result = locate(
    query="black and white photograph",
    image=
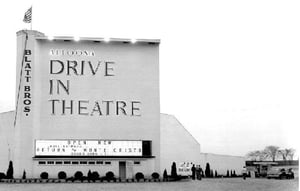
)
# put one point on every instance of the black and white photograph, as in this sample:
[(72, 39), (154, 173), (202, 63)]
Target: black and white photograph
[(149, 95)]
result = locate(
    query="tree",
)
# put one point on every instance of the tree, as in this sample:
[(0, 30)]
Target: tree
[(256, 155), (173, 170), (24, 175), (89, 175), (211, 173), (271, 152), (165, 175), (291, 153), (10, 171), (282, 152), (286, 153), (207, 170), (216, 173), (227, 174)]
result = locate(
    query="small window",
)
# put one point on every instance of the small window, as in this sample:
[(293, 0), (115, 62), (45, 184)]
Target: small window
[(83, 162), (67, 162), (42, 162), (137, 162), (75, 162), (58, 162), (99, 162), (107, 162), (91, 162), (50, 162)]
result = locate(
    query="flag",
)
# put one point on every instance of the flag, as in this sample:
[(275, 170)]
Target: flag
[(28, 16)]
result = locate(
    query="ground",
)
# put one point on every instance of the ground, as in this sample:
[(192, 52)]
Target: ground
[(230, 184)]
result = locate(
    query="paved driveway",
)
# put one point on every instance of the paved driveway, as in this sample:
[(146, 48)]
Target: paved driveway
[(229, 184)]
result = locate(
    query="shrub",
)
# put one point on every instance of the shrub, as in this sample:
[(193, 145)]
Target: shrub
[(227, 174), (24, 175), (110, 175), (44, 175), (2, 175), (216, 174), (89, 175), (155, 175), (95, 175), (62, 175), (78, 175), (173, 170), (10, 171), (165, 175), (207, 170), (70, 179), (139, 176)]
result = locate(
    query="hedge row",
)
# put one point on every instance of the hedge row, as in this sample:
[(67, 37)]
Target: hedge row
[(94, 176)]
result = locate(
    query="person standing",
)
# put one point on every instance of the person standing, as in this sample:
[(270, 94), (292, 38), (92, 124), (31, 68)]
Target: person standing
[(193, 172), (244, 173), (198, 172), (201, 173)]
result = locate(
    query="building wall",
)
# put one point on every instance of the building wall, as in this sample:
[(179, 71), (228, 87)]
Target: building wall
[(6, 139), (134, 77), (177, 144), (222, 163), (145, 166), (102, 169), (173, 135)]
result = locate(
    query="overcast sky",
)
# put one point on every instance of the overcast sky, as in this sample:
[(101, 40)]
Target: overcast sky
[(229, 70)]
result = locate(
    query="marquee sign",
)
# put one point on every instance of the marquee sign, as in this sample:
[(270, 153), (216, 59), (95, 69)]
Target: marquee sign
[(87, 148)]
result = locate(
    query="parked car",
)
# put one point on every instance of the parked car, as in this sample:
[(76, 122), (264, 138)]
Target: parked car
[(280, 173)]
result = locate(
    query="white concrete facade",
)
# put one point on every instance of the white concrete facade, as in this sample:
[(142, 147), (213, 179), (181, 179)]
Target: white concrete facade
[(222, 163), (6, 139), (116, 71), (89, 90), (85, 90), (177, 144)]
